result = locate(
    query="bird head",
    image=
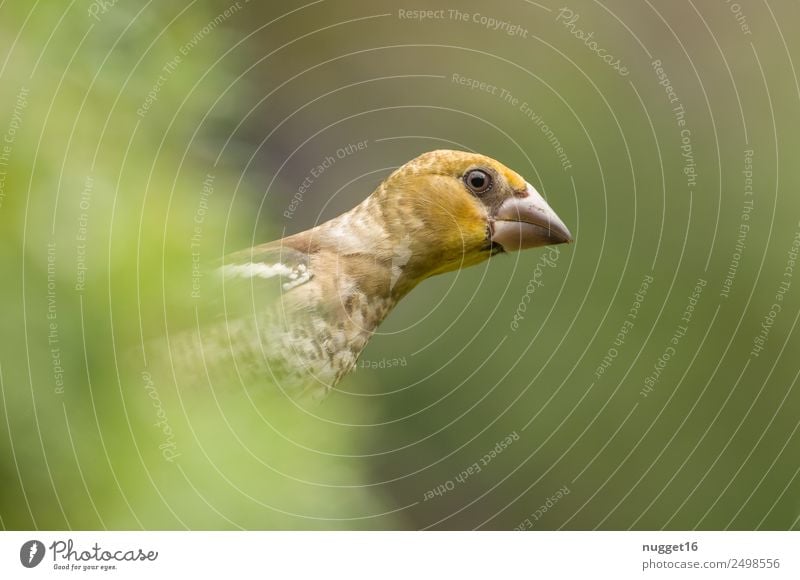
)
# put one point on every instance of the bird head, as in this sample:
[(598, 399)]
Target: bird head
[(455, 209)]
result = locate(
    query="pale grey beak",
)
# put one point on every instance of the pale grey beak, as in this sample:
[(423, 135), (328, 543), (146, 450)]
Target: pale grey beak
[(527, 222)]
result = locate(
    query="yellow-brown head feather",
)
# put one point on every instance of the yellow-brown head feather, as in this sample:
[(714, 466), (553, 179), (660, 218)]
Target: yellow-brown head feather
[(429, 217), (429, 197)]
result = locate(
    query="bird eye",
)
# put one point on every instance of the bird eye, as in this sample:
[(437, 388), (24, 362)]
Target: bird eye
[(478, 181)]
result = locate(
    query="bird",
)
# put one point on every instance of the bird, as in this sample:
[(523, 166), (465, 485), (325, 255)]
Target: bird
[(300, 310)]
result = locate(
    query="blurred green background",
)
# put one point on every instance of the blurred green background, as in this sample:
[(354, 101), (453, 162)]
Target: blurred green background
[(139, 138)]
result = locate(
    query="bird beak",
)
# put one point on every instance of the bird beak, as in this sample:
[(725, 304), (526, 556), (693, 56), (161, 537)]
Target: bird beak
[(526, 221)]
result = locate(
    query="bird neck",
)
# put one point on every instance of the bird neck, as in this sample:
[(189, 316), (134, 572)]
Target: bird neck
[(370, 249)]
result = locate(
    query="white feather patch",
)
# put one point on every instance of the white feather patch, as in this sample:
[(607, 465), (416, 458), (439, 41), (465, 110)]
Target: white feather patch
[(297, 275)]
